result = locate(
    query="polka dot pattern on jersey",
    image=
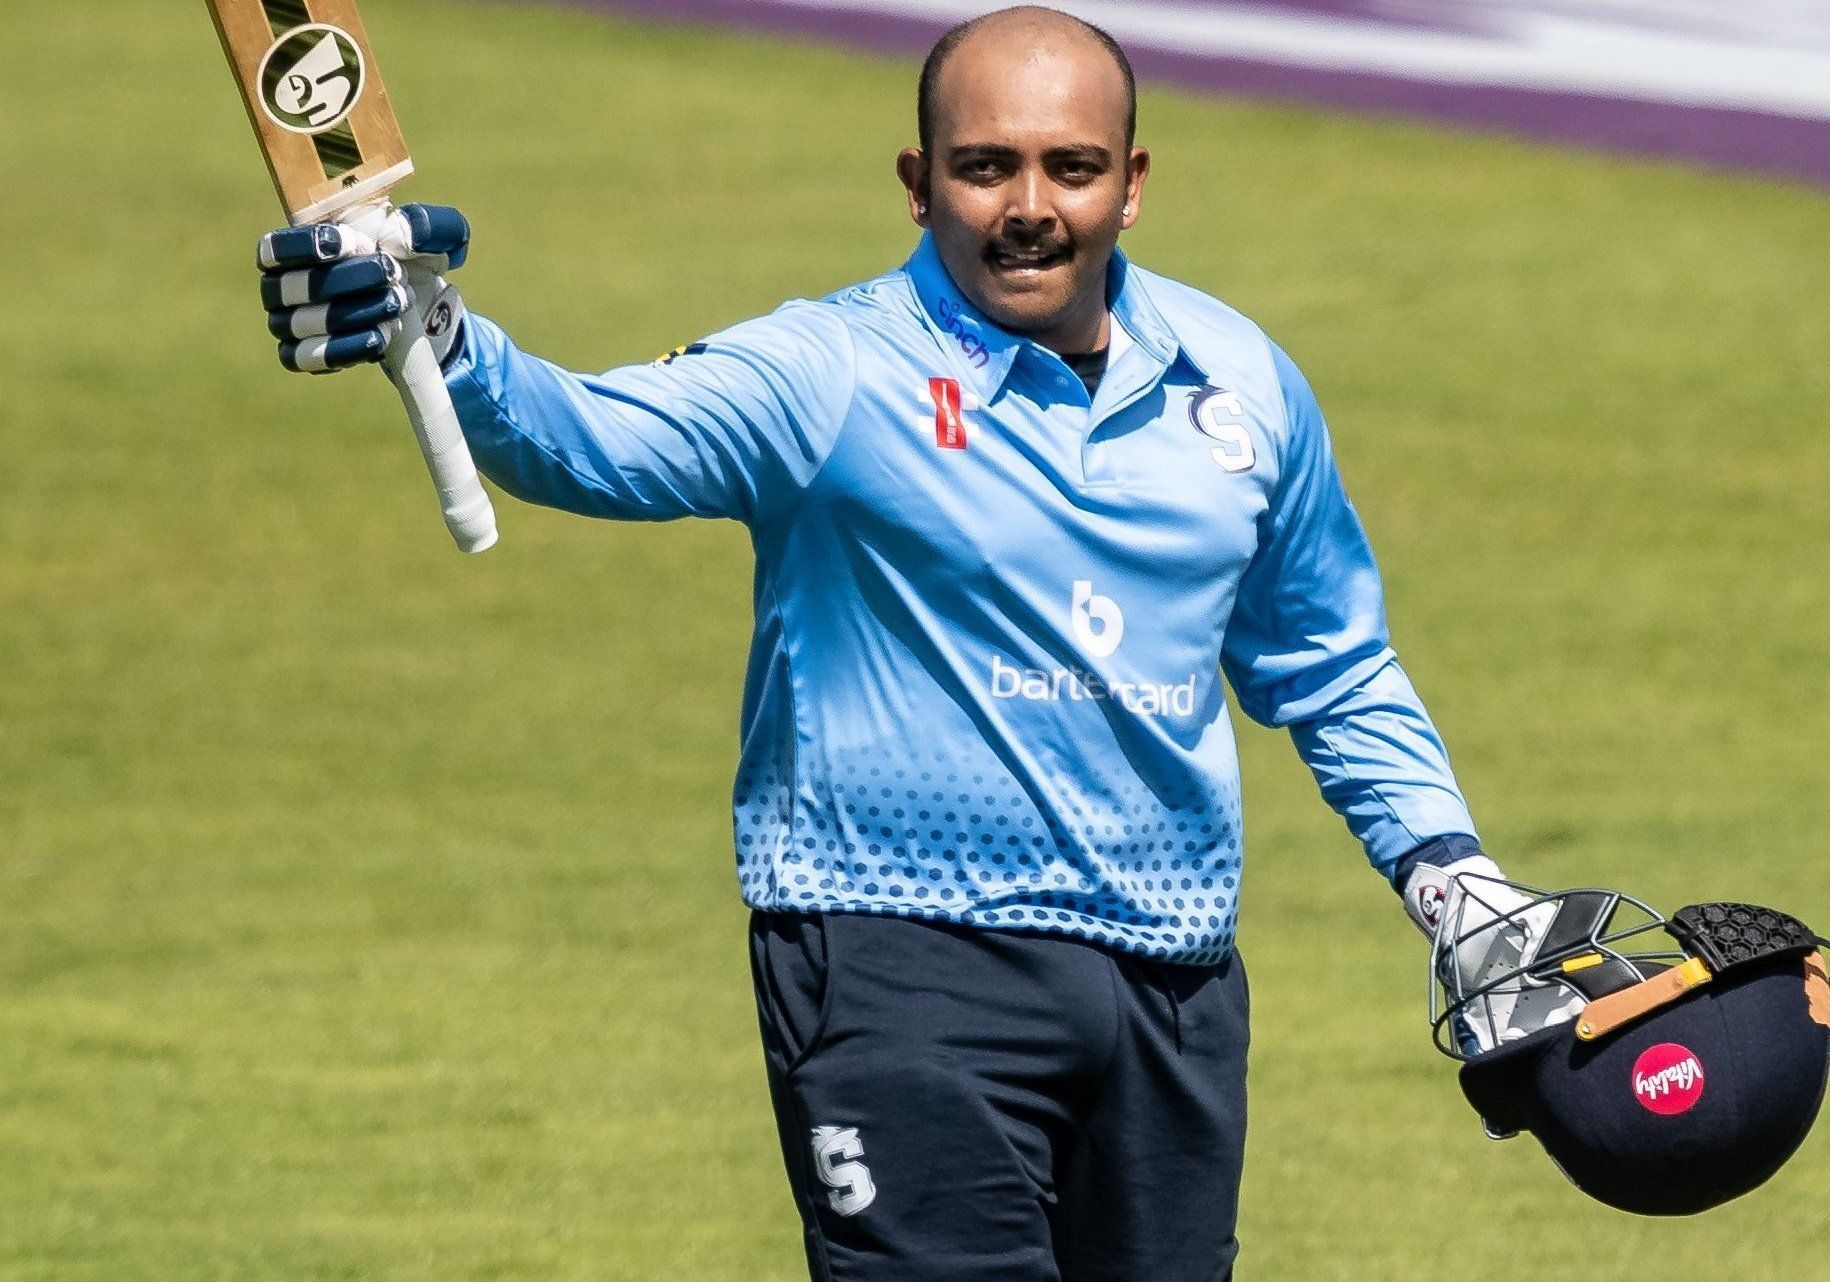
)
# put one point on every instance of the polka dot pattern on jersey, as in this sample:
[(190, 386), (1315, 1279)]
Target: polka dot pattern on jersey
[(1152, 871)]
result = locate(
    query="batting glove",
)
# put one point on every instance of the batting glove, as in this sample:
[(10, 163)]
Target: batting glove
[(339, 294), (1482, 927)]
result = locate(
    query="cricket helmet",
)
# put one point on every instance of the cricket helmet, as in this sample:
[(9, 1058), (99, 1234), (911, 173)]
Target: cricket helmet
[(1666, 1065)]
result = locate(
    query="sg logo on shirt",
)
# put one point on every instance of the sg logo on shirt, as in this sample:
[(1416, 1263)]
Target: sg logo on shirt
[(1218, 415)]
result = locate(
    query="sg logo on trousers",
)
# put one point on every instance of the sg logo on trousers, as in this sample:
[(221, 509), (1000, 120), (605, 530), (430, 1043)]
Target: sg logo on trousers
[(836, 1150)]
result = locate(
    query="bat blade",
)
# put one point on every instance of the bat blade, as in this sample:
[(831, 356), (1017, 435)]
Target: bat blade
[(333, 146), (316, 100)]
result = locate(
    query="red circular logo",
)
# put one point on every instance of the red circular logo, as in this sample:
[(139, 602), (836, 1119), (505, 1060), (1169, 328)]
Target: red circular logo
[(1668, 1079)]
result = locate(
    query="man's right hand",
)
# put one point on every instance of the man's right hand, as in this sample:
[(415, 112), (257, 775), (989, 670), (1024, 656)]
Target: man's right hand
[(336, 294)]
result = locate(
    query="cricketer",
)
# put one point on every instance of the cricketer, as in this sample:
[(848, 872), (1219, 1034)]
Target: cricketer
[(1017, 506)]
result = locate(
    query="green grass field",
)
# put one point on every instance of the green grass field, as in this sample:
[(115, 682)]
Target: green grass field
[(366, 911)]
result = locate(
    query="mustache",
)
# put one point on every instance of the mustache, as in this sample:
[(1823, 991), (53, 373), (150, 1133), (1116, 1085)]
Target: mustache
[(1047, 245)]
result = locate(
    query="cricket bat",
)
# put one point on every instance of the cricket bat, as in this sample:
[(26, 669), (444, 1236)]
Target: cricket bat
[(334, 148)]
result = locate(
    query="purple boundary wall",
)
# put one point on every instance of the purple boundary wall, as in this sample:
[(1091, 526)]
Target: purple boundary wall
[(1750, 141)]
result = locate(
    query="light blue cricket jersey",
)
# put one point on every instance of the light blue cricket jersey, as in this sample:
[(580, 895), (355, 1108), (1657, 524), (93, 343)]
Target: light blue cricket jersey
[(990, 618)]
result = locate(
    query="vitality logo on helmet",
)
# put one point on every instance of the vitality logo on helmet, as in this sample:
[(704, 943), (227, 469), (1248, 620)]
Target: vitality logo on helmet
[(1668, 1079), (1098, 627)]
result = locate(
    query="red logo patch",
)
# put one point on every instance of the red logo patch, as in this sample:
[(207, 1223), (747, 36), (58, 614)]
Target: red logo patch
[(1668, 1079), (949, 426)]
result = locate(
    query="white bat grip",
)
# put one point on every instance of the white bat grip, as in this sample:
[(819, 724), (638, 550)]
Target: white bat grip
[(414, 371), (421, 384)]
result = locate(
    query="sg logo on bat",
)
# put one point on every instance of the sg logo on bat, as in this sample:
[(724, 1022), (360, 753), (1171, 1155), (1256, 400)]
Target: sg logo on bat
[(311, 79)]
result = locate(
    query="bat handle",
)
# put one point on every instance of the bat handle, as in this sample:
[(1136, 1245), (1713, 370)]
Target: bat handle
[(415, 373)]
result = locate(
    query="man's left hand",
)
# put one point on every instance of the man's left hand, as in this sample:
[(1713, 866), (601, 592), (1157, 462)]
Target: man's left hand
[(1484, 928)]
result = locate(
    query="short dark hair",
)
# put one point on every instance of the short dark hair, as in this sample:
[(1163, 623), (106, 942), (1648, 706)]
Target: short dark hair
[(945, 46)]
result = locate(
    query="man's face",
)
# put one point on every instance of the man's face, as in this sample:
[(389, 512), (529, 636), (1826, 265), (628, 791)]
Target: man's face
[(1029, 181)]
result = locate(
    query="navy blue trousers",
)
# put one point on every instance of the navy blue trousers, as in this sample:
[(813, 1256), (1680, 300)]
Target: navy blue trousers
[(961, 1105)]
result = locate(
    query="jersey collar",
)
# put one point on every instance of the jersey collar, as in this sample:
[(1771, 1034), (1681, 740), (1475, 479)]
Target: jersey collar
[(987, 352)]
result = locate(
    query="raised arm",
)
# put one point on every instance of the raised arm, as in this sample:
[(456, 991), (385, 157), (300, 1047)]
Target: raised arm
[(733, 426)]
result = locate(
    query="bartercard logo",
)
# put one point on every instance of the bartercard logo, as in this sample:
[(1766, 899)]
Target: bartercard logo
[(1668, 1079), (1218, 415), (1098, 627), (311, 79), (1055, 685)]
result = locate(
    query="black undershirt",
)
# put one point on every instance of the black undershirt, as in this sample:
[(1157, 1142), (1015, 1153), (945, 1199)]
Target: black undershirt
[(1089, 366)]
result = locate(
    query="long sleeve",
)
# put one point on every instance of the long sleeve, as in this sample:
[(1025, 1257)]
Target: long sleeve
[(1307, 648), (733, 426)]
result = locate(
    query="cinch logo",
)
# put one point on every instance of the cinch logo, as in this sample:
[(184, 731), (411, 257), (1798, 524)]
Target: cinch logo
[(1668, 1079), (1098, 626), (949, 404), (836, 1150), (953, 320)]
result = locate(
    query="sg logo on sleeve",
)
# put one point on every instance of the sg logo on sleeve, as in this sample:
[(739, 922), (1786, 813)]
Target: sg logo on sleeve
[(1218, 415)]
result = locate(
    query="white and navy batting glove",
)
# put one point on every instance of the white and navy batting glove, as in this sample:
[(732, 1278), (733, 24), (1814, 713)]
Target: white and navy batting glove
[(339, 294), (1482, 927)]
